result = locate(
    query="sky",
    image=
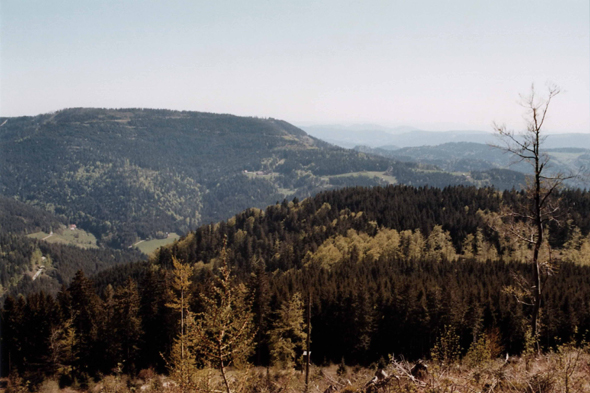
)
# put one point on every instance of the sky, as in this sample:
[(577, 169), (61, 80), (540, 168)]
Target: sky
[(431, 64)]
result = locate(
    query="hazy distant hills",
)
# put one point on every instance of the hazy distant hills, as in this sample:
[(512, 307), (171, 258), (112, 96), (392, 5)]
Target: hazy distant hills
[(132, 174), (351, 136), (468, 156), (399, 137)]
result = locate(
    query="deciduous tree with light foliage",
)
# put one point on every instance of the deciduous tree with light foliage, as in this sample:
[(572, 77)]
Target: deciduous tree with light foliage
[(224, 330), (288, 335)]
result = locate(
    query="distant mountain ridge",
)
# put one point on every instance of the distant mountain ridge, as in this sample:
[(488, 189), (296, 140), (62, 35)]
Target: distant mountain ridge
[(399, 137), (468, 156)]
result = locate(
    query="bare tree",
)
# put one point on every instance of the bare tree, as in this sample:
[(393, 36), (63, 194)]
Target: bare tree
[(528, 221)]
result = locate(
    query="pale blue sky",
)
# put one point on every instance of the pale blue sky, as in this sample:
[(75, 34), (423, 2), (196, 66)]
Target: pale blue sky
[(430, 64)]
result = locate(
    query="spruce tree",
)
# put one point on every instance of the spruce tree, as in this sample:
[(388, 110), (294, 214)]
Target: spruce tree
[(181, 362), (128, 324)]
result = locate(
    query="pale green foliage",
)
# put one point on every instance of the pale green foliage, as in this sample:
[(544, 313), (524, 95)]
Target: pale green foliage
[(447, 350), (36, 258), (479, 352), (467, 246), (484, 250), (288, 335), (180, 293), (412, 244), (224, 332), (63, 348), (386, 242), (479, 248), (181, 362), (577, 248), (439, 245)]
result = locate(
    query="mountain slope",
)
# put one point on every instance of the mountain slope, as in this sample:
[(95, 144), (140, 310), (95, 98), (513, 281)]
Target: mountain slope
[(139, 172), (132, 174)]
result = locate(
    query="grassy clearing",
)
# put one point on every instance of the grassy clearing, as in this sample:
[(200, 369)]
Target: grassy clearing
[(77, 237), (370, 174), (267, 176), (149, 246)]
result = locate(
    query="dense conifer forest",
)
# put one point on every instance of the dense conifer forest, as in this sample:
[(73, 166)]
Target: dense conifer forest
[(390, 270)]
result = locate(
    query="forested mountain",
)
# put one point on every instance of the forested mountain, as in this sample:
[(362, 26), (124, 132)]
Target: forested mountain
[(389, 269), (131, 174)]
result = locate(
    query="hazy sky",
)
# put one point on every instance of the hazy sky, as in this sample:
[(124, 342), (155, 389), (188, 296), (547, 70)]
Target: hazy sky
[(432, 64)]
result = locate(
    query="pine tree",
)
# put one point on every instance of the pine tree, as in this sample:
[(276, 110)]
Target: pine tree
[(259, 288), (181, 362), (108, 331), (85, 309), (12, 333), (63, 352), (224, 332), (128, 323)]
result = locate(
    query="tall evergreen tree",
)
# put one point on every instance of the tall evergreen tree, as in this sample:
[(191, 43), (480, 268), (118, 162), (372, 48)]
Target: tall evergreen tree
[(259, 289), (85, 310), (128, 324), (181, 363)]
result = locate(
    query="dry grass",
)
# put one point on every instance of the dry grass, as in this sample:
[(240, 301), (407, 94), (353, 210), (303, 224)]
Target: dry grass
[(565, 371)]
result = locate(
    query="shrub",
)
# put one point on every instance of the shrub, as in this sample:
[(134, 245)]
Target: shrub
[(478, 353), (447, 349)]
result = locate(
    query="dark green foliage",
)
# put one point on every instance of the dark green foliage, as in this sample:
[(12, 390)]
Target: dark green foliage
[(21, 218), (377, 305), (127, 174)]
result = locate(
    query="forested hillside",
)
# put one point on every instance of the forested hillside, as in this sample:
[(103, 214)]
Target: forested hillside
[(389, 270), (20, 218), (131, 174), (29, 264), (283, 234)]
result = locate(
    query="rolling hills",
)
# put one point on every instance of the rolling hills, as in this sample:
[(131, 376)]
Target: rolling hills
[(470, 157)]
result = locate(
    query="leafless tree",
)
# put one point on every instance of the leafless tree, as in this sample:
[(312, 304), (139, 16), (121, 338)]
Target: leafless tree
[(528, 221)]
